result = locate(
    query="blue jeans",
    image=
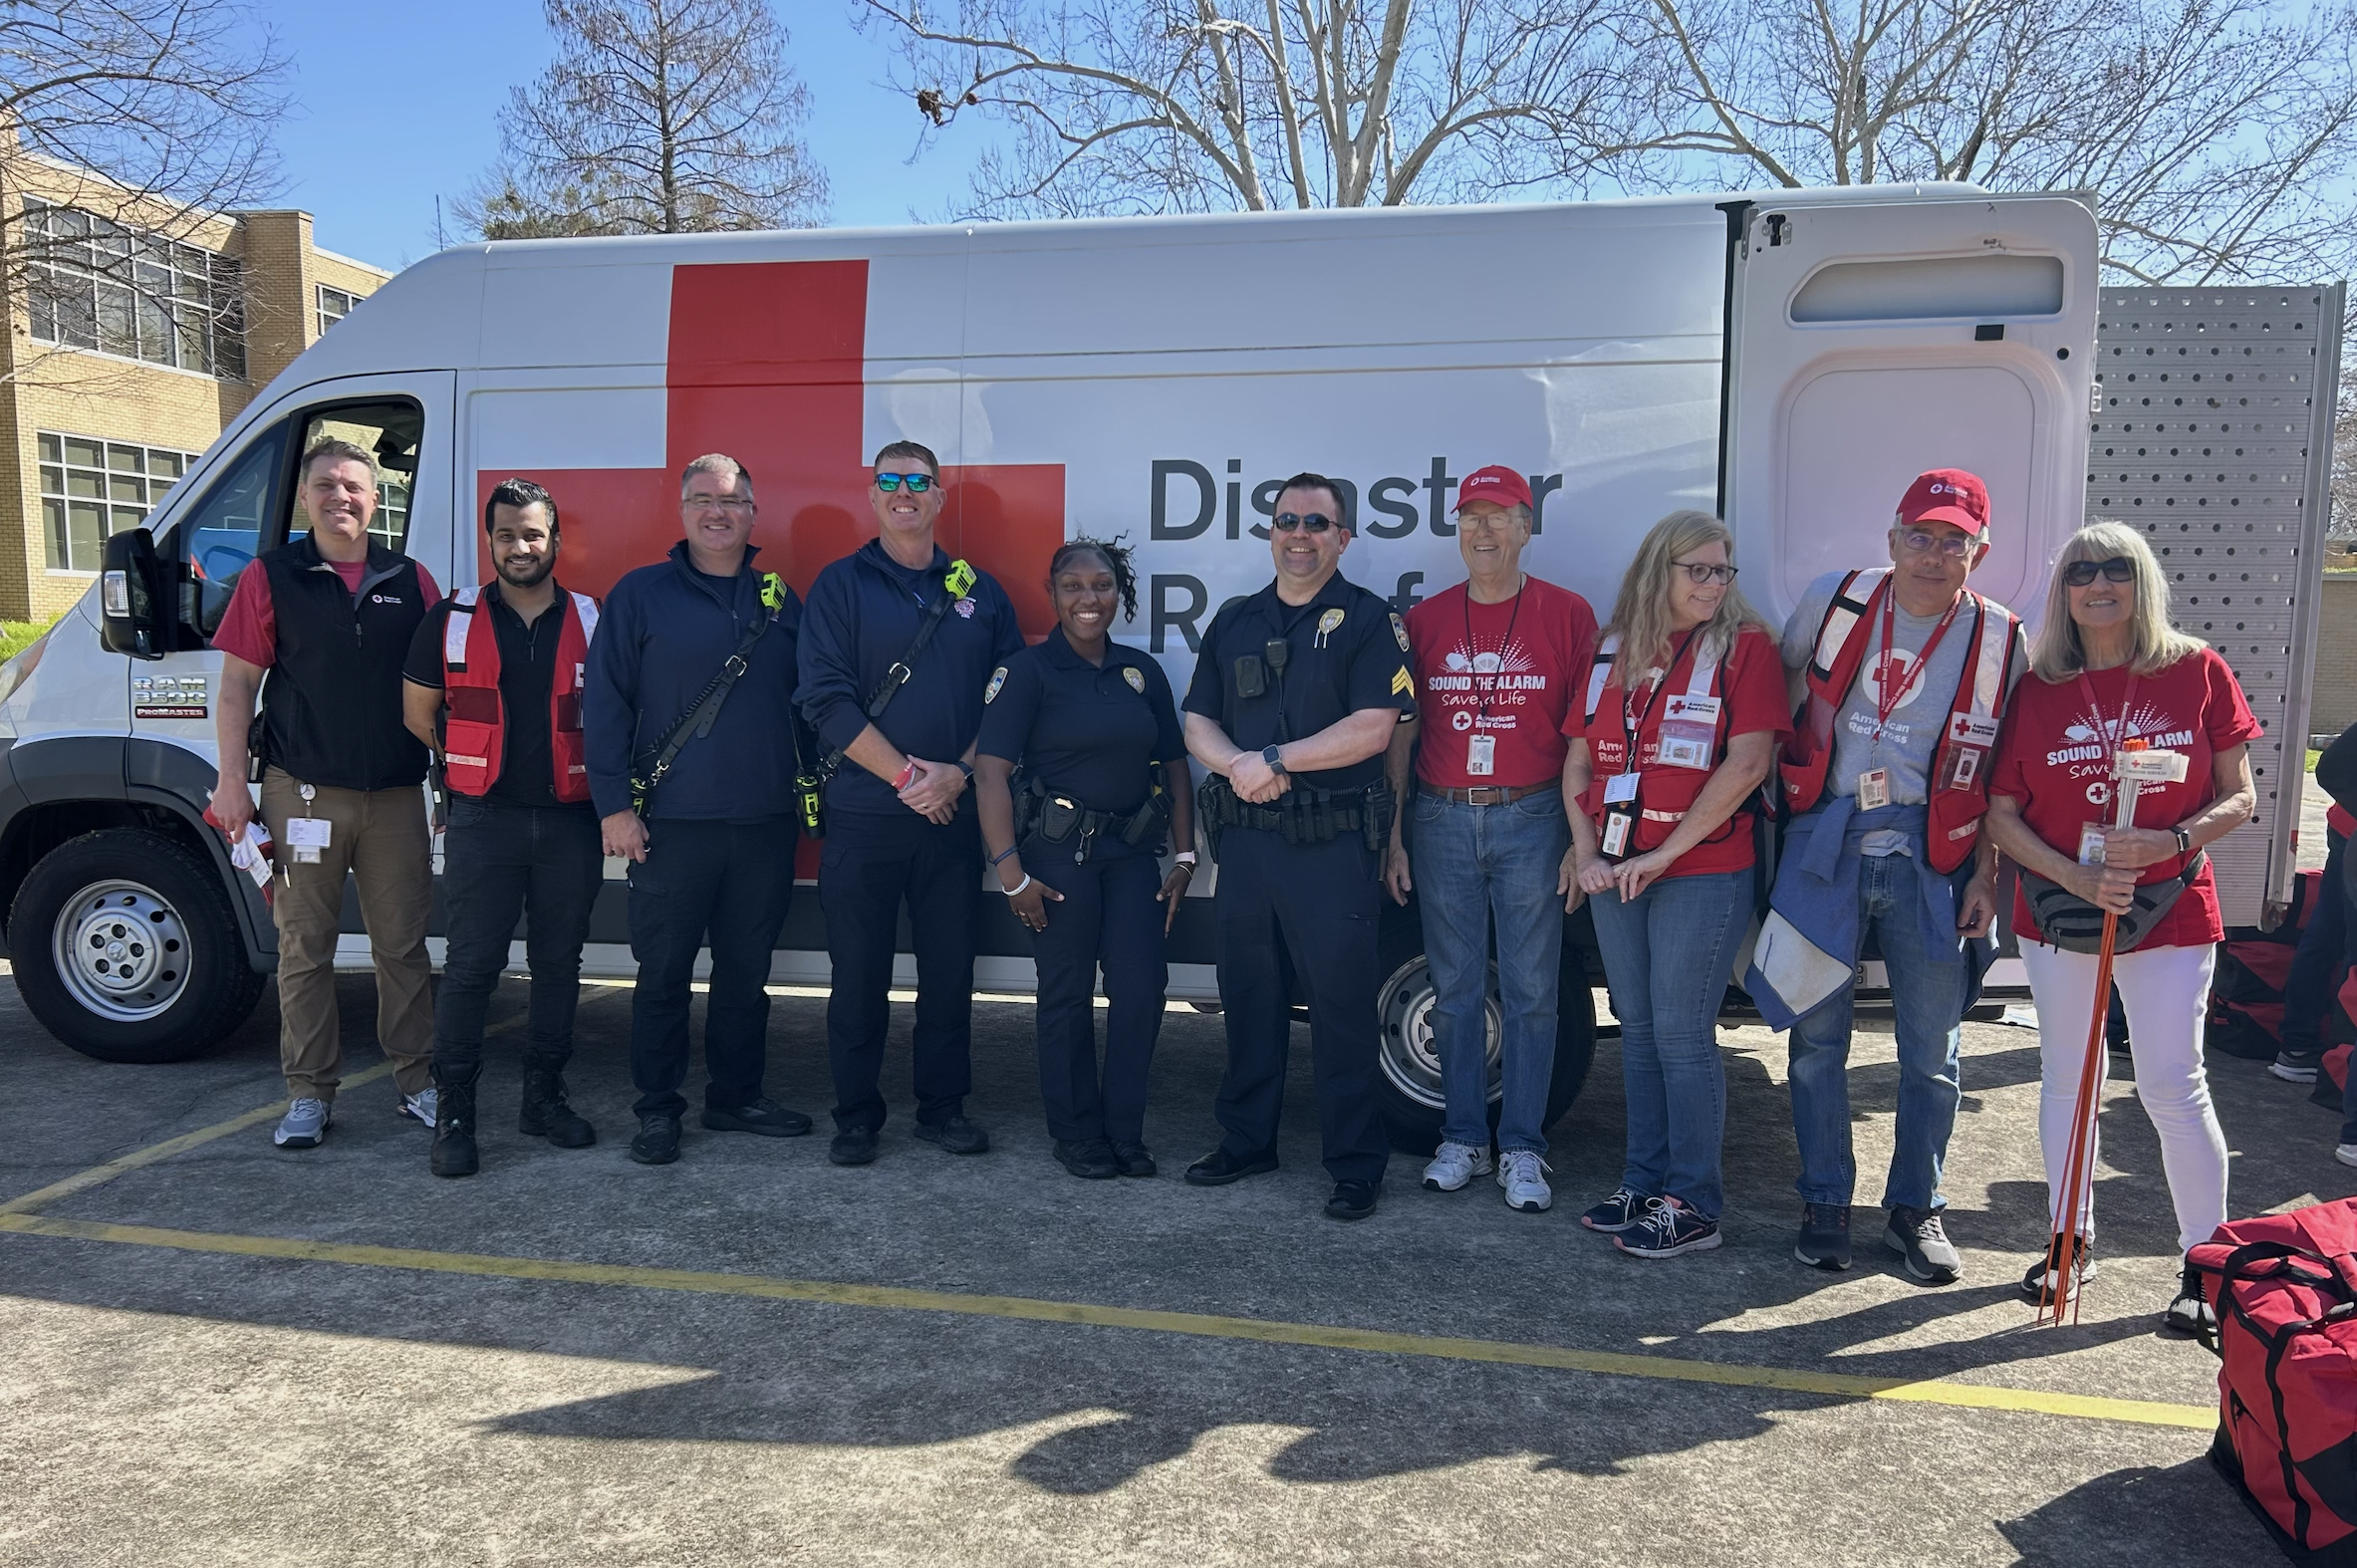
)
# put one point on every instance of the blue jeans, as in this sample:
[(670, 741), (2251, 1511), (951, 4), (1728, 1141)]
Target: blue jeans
[(1473, 864), (1666, 960), (1928, 989)]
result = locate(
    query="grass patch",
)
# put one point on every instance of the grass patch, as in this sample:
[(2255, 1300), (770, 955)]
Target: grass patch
[(17, 636), (2313, 754)]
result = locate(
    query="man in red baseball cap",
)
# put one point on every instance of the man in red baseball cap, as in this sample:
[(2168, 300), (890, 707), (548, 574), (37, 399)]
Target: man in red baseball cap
[(1496, 661), (1886, 777)]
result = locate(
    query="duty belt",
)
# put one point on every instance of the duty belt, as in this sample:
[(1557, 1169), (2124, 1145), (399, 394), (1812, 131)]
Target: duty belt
[(1304, 815), (1056, 817)]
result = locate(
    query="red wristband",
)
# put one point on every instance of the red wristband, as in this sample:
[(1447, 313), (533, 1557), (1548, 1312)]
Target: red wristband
[(907, 775)]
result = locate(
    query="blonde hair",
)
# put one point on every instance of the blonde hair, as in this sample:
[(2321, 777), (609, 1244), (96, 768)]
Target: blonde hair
[(2154, 644), (1641, 615)]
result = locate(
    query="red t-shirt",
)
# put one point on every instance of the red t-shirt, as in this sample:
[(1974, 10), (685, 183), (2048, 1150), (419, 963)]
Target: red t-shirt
[(1752, 696), (2055, 760), (1510, 672), (249, 627)]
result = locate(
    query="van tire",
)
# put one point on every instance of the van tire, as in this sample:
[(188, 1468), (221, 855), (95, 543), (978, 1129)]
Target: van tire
[(1411, 1115), (193, 985)]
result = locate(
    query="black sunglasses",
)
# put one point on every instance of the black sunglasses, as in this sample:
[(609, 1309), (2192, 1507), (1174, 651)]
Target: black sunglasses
[(1313, 522), (918, 483), (2119, 569)]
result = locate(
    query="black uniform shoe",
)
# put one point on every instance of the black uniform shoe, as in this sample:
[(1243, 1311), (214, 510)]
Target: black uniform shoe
[(957, 1134), (546, 1115), (854, 1146), (765, 1117), (453, 1152), (1219, 1168), (1133, 1159), (1091, 1161), (1351, 1201), (1824, 1237), (657, 1143), (2190, 1313)]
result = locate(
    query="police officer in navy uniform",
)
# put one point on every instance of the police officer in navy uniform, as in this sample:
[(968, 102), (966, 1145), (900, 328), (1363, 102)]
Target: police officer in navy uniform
[(1293, 703), (1075, 845), (900, 817)]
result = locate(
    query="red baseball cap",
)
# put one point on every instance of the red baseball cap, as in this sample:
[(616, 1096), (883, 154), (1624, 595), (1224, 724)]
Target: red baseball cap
[(1496, 483), (1947, 495)]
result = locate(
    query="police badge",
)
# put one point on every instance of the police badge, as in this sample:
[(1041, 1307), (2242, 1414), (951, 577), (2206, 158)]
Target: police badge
[(1326, 625), (1137, 681)]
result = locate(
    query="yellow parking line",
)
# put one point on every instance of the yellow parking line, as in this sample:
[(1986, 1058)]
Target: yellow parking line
[(1202, 1325)]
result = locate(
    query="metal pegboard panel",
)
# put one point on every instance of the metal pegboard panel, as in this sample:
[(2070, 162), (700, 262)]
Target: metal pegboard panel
[(2212, 432)]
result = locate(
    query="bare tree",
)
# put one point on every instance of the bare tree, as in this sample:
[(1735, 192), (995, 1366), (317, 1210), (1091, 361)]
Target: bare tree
[(2218, 136), (1155, 106), (658, 116), (127, 129)]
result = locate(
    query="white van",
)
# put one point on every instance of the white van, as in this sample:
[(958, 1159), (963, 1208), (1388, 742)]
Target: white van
[(1791, 361)]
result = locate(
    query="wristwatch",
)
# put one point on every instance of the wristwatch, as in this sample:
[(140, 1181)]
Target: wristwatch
[(2185, 840), (1268, 754), (967, 768)]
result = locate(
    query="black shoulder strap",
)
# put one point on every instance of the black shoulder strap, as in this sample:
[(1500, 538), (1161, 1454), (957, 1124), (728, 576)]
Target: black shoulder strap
[(958, 582), (704, 711)]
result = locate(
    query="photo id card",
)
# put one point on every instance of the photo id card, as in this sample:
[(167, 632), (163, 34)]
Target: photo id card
[(1689, 732), (1620, 788), (2090, 842), (1874, 789), (1620, 820), (1481, 755), (307, 836)]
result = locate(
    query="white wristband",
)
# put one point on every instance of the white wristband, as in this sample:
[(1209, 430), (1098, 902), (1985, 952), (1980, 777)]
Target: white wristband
[(1018, 887), (1184, 857)]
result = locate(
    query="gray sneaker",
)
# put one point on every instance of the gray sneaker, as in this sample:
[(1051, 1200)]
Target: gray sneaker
[(306, 1123), (1453, 1164), (1524, 1177), (2297, 1067), (423, 1104), (1920, 1237)]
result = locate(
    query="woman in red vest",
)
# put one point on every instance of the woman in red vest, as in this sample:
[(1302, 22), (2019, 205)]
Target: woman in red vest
[(2115, 679), (1679, 726)]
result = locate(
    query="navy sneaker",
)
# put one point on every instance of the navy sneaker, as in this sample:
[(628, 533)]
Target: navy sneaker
[(1669, 1229), (1624, 1210), (1824, 1237)]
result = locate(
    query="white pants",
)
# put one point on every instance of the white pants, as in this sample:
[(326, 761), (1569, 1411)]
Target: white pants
[(2166, 991)]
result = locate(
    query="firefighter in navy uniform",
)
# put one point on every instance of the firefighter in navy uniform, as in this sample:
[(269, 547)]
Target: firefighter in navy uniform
[(1074, 839), (1293, 703)]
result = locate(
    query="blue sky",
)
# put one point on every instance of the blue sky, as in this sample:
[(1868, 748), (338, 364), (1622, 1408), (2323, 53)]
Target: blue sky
[(391, 114)]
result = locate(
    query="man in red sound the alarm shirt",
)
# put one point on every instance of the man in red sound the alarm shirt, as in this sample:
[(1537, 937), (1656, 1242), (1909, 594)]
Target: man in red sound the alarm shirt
[(1496, 660)]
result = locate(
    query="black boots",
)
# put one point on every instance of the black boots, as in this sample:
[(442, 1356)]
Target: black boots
[(546, 1115), (453, 1131)]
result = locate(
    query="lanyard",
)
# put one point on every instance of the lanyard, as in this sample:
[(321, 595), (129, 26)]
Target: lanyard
[(1886, 700), (1472, 651), (1633, 718), (2115, 734)]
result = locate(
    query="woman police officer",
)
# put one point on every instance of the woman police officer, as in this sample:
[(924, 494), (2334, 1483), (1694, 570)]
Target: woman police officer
[(1104, 773)]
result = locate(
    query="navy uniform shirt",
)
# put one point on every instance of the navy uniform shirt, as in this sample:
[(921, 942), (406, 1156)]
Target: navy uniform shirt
[(527, 668), (1088, 732), (862, 616), (1348, 652)]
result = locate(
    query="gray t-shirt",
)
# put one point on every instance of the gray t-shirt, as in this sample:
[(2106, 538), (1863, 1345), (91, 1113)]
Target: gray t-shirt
[(1906, 745)]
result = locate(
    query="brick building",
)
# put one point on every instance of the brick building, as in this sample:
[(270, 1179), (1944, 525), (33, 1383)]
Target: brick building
[(132, 344)]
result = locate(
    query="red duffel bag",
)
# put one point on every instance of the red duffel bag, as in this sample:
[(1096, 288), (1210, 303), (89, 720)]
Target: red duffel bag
[(2284, 1288)]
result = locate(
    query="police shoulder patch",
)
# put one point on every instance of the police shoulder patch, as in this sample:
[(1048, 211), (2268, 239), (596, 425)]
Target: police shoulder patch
[(990, 691), (1400, 631), (1401, 685), (1135, 678)]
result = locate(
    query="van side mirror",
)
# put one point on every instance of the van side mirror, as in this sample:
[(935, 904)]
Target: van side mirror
[(131, 617)]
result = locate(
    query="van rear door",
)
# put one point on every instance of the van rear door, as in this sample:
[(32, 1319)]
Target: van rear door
[(1870, 340)]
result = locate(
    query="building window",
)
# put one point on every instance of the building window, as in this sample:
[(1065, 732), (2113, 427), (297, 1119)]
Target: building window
[(91, 488), (93, 284), (334, 306)]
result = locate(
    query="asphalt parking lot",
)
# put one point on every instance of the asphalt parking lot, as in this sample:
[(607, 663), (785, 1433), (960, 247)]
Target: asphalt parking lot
[(231, 1354)]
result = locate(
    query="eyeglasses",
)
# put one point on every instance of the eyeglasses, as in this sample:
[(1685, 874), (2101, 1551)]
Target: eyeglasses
[(1701, 572), (726, 503), (2119, 569), (1922, 541), (918, 483), (1312, 522)]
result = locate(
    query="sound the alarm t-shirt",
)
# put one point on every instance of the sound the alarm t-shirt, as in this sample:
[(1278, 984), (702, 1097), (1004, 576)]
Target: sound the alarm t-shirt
[(2056, 759), (1508, 670)]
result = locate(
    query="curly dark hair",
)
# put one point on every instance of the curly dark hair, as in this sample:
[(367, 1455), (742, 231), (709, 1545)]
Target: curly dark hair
[(1115, 554)]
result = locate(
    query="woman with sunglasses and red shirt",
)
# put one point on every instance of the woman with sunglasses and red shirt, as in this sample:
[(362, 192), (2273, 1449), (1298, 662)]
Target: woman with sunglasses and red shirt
[(2114, 677)]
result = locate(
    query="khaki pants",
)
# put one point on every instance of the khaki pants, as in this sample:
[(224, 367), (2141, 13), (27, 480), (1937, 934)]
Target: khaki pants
[(381, 837)]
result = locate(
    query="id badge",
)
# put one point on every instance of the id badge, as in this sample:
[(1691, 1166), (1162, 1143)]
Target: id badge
[(307, 836), (1481, 755), (2090, 842), (1970, 737), (1620, 820), (1874, 789), (1961, 768), (1681, 744), (1620, 789)]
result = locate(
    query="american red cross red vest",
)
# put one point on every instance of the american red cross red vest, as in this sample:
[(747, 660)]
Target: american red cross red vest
[(474, 738), (332, 705), (1958, 780), (1669, 792)]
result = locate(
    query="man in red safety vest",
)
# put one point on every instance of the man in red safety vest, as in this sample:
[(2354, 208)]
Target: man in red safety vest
[(1907, 673), (493, 683)]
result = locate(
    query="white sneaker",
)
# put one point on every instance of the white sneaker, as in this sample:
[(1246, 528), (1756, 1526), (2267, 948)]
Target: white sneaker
[(423, 1105), (1524, 1177), (1453, 1164), (306, 1123), (2346, 1154)]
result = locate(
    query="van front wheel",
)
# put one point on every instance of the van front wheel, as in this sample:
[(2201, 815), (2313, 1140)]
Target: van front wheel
[(124, 946)]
